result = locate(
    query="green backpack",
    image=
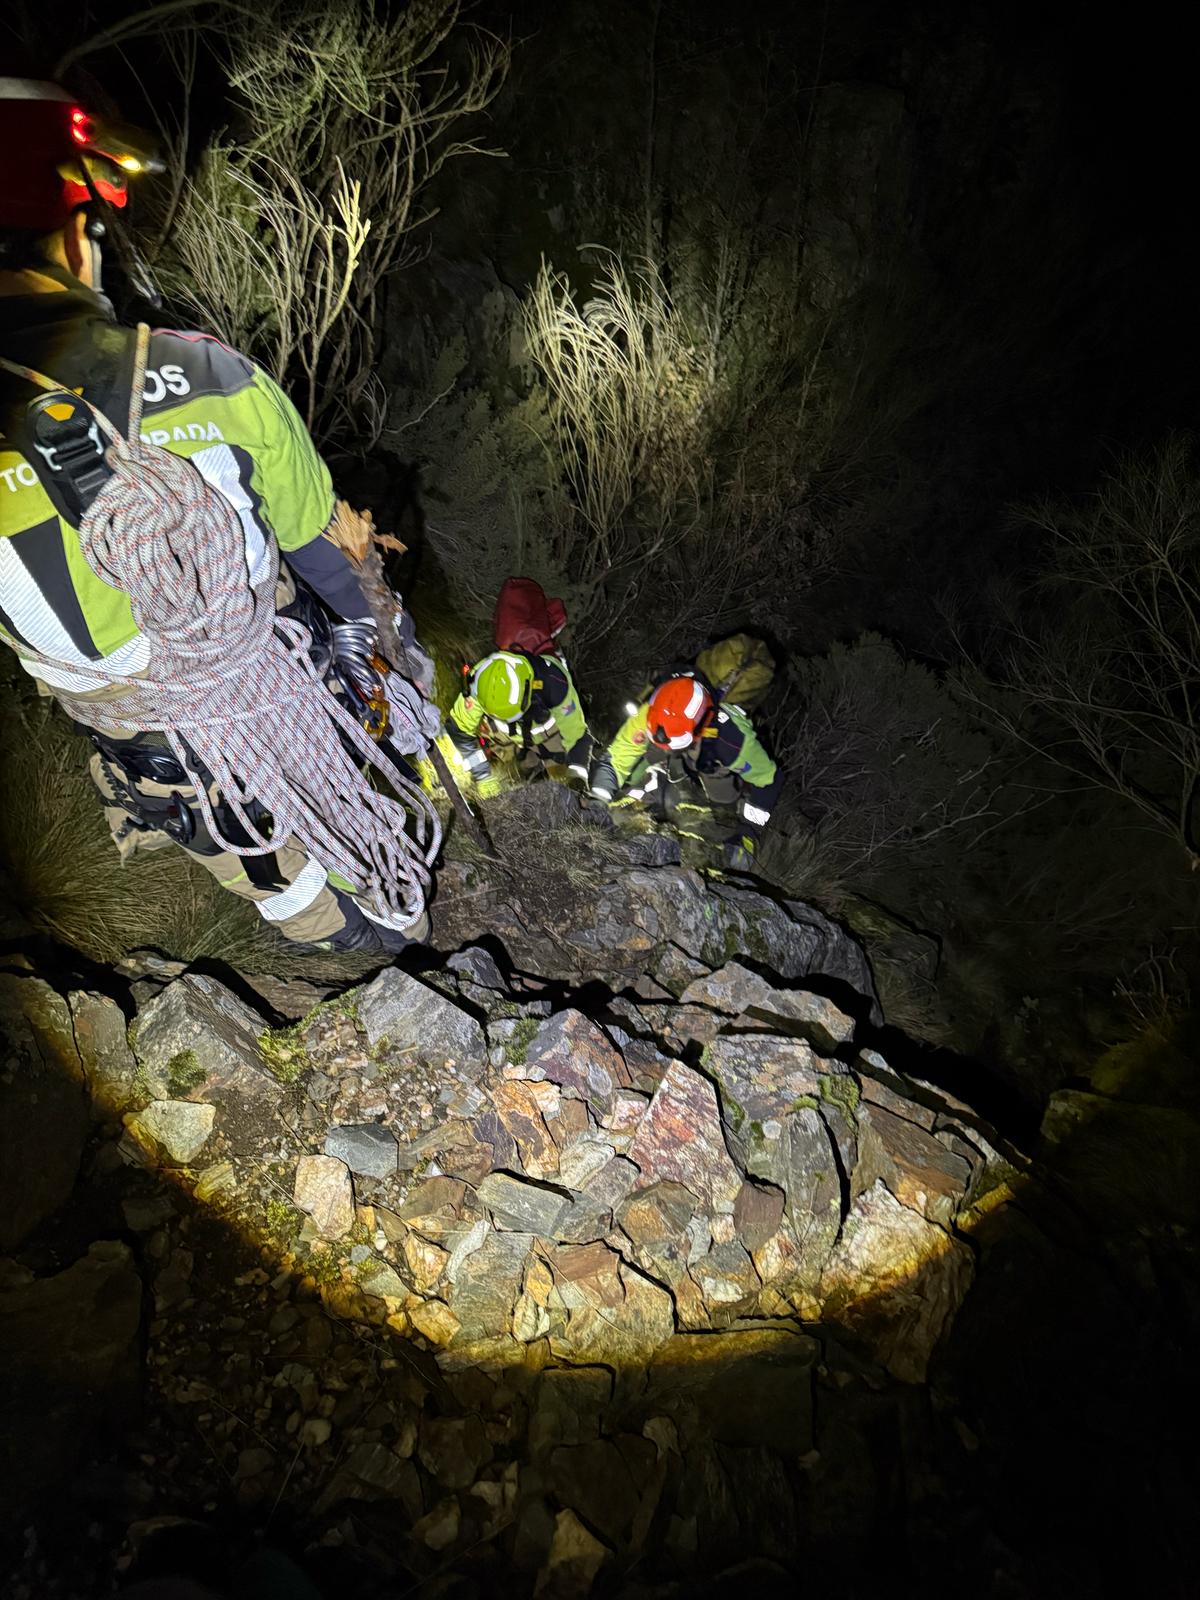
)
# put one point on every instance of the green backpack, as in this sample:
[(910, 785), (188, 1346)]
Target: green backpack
[(740, 670)]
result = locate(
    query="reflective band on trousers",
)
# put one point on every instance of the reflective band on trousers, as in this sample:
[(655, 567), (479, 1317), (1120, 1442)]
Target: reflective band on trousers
[(476, 761), (542, 727), (754, 815), (297, 897)]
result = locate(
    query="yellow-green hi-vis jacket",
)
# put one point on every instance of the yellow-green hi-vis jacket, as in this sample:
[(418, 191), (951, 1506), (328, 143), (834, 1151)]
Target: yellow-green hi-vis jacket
[(203, 401)]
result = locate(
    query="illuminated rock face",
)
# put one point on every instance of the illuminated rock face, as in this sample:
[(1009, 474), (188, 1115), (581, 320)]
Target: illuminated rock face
[(640, 1230), (523, 1171), (573, 1189)]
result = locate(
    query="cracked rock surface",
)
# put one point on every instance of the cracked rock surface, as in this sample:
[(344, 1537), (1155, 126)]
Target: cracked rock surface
[(523, 1271)]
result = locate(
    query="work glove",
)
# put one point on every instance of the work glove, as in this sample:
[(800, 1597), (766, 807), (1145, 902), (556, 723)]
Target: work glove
[(487, 787), (739, 852)]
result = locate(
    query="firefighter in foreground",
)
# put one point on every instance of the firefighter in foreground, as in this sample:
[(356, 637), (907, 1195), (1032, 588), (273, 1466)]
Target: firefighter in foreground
[(684, 731), (522, 693), (146, 593)]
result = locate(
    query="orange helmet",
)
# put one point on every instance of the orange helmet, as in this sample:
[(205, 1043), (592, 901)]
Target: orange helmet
[(678, 711)]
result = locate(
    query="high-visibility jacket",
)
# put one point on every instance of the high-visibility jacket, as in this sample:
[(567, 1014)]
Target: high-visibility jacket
[(728, 748), (202, 401), (555, 712)]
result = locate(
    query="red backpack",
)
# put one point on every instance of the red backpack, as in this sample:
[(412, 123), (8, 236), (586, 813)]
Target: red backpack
[(524, 619)]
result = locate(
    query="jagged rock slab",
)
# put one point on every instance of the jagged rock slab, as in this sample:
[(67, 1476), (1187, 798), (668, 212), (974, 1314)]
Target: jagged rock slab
[(798, 941), (521, 1206), (398, 1010), (365, 1147), (662, 919), (681, 1139), (433, 1208), (916, 1167), (727, 1280), (43, 1108), (773, 1093), (527, 1112), (197, 1041), (752, 1002), (647, 916), (614, 1313), (324, 1191), (655, 1220), (574, 1053), (109, 1064), (896, 1281), (762, 1077), (381, 1281), (426, 1262), (477, 967), (757, 1213), (180, 1127), (486, 1285)]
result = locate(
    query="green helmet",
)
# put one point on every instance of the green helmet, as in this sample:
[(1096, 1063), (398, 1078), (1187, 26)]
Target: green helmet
[(503, 685)]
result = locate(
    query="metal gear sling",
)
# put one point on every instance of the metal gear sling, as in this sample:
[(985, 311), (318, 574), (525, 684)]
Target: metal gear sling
[(230, 685)]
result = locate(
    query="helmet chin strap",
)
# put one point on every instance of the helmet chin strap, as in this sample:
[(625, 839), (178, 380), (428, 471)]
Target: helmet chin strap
[(94, 231), (105, 216)]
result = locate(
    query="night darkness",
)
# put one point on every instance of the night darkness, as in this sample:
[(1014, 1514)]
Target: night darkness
[(869, 330)]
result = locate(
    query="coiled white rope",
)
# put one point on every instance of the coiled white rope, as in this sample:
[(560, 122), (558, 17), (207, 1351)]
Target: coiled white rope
[(230, 684)]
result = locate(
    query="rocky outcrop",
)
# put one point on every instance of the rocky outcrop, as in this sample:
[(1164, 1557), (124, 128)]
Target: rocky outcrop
[(576, 1270), (507, 1178), (640, 914), (43, 1108)]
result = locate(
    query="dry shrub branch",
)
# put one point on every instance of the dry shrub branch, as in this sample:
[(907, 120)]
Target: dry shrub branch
[(1103, 650), (651, 399), (279, 235)]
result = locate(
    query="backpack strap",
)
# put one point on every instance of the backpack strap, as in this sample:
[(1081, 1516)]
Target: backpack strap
[(62, 435)]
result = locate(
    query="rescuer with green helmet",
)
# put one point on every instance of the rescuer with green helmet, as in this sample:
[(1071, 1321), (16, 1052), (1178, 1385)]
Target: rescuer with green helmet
[(530, 699)]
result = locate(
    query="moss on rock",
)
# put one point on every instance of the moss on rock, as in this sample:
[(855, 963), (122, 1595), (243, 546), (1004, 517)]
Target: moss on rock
[(184, 1072)]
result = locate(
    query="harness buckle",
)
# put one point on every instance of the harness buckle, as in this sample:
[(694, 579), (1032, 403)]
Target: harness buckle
[(68, 451)]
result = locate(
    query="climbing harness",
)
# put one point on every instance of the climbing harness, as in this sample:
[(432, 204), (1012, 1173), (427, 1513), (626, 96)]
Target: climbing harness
[(230, 684)]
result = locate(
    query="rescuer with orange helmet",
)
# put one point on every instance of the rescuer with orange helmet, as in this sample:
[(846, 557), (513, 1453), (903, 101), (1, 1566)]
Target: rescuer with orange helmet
[(684, 730)]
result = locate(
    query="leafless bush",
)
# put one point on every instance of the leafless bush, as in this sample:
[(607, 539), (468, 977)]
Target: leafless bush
[(1103, 655), (883, 765), (1155, 992), (279, 238)]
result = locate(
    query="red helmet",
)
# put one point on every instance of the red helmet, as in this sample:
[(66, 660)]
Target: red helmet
[(678, 711), (46, 143)]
